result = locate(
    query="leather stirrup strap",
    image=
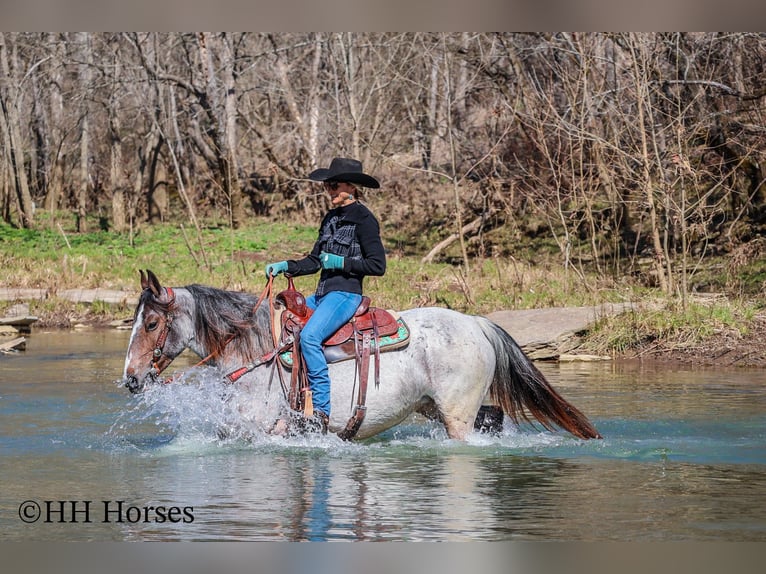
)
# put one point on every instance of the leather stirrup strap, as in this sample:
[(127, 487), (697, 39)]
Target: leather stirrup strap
[(299, 396), (363, 364), (294, 396), (376, 340)]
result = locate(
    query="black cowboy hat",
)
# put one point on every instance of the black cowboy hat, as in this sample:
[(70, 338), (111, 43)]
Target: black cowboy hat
[(347, 170)]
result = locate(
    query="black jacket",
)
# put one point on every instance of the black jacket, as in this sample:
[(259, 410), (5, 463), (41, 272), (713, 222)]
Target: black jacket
[(353, 233)]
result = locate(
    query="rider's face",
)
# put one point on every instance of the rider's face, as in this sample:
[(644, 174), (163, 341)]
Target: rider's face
[(339, 191)]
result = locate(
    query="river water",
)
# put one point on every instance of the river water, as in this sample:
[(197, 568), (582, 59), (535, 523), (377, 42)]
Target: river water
[(683, 458)]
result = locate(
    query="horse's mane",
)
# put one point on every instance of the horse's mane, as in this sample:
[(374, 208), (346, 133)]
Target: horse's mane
[(225, 319)]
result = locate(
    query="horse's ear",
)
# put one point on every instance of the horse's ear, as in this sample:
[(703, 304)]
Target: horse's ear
[(153, 283), (144, 280)]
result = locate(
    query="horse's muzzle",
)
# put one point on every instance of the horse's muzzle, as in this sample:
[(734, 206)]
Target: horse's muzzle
[(133, 384)]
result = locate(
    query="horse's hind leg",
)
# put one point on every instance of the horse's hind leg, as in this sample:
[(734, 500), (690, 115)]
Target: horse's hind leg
[(459, 417), (457, 427), (489, 420), (459, 403), (456, 423)]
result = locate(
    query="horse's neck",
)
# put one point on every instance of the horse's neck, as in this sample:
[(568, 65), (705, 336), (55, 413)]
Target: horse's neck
[(185, 300), (235, 354)]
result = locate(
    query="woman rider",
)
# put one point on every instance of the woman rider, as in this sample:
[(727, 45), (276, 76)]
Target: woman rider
[(347, 249)]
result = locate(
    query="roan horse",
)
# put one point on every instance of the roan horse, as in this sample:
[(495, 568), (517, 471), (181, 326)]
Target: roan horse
[(452, 364)]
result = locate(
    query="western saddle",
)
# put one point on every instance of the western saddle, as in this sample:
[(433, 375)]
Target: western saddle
[(359, 338)]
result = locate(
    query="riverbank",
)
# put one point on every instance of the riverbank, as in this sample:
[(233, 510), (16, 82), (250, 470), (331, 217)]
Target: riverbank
[(91, 280), (727, 348), (558, 333)]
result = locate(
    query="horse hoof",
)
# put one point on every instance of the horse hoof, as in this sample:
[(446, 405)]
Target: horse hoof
[(489, 420)]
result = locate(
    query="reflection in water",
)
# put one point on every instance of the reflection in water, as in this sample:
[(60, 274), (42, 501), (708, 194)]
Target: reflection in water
[(684, 458)]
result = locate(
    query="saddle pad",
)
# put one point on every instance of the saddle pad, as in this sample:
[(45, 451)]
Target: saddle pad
[(346, 351)]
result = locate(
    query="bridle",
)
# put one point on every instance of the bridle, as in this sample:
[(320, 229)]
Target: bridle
[(159, 345)]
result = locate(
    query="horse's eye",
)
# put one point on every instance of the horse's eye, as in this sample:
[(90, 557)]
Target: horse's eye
[(151, 326)]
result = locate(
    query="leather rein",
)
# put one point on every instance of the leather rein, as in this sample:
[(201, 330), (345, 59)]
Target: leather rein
[(280, 345), (158, 352)]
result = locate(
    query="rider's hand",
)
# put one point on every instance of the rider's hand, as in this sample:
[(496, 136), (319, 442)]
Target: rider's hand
[(276, 268), (331, 261)]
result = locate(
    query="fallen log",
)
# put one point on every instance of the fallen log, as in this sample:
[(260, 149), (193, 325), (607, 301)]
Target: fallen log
[(468, 229)]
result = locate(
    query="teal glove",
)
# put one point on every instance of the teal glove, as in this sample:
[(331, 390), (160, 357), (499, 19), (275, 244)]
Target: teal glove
[(276, 268), (331, 261)]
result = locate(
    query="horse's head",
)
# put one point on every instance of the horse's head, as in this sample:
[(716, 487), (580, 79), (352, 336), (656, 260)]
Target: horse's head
[(157, 338)]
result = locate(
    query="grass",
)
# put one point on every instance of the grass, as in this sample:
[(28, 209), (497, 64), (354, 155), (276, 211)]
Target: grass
[(56, 258), (673, 325)]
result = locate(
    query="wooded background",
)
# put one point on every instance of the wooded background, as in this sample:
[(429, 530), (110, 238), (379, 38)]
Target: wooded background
[(618, 146)]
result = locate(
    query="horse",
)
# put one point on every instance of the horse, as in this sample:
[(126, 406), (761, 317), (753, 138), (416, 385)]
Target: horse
[(452, 365)]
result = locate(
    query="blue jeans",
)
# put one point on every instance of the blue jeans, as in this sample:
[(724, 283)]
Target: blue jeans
[(331, 311)]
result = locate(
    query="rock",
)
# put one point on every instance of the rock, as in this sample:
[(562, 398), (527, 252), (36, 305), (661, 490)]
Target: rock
[(122, 324), (6, 330), (18, 344), (543, 333), (570, 358), (17, 324)]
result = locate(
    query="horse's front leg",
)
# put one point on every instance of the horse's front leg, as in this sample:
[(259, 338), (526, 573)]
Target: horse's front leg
[(257, 401)]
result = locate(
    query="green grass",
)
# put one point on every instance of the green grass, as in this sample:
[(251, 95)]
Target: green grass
[(54, 259), (672, 324)]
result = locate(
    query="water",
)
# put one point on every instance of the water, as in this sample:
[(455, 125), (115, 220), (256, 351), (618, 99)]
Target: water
[(684, 458)]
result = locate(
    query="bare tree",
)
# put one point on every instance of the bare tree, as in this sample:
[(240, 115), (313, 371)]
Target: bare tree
[(10, 122), (639, 152)]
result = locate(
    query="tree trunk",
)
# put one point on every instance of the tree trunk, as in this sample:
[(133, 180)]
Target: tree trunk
[(313, 142), (223, 111), (352, 96), (83, 183), (117, 181), (11, 133), (433, 100), (5, 200), (646, 176), (55, 189), (291, 102), (157, 179), (230, 135)]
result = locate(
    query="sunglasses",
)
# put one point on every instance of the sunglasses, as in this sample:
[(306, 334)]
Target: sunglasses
[(332, 184)]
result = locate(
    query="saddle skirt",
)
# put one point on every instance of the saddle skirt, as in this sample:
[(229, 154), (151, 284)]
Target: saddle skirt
[(386, 328)]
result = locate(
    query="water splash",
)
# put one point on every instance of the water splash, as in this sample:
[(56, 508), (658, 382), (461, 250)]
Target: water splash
[(200, 412), (196, 408)]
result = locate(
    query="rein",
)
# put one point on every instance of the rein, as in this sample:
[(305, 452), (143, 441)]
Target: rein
[(237, 374), (298, 394)]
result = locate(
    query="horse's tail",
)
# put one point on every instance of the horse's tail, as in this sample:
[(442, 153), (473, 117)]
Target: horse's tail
[(519, 385)]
